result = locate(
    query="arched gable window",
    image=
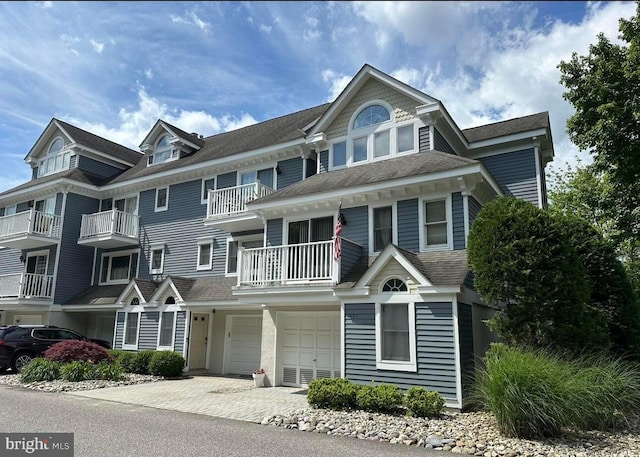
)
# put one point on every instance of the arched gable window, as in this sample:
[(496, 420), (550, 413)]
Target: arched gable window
[(170, 301), (56, 146), (371, 115), (55, 160), (394, 285), (163, 152)]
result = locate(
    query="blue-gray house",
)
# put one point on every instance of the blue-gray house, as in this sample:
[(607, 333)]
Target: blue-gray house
[(225, 248)]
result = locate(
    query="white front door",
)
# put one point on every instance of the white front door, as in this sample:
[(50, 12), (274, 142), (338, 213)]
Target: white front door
[(309, 346), (198, 340), (244, 342)]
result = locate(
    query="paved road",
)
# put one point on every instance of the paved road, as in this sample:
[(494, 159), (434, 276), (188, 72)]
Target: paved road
[(107, 429)]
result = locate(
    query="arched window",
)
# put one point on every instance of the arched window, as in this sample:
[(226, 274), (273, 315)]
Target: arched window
[(371, 115), (163, 142), (56, 146), (170, 301), (163, 151), (395, 285)]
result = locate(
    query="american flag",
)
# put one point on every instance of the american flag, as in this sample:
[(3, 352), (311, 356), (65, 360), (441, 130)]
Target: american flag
[(337, 244)]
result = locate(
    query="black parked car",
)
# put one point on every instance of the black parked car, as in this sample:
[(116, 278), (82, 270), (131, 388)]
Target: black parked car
[(21, 343)]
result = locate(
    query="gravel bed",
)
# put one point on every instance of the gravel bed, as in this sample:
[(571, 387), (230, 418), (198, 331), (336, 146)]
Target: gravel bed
[(470, 433), (65, 386)]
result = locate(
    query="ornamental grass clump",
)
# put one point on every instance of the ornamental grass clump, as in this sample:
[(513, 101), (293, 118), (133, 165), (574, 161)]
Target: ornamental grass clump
[(40, 369)]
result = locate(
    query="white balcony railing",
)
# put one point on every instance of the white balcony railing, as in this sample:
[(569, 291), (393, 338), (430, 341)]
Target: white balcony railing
[(26, 285), (233, 200), (290, 264), (30, 222), (106, 223)]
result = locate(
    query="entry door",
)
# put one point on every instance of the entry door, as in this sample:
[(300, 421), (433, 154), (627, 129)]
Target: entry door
[(198, 340), (310, 347), (244, 342)]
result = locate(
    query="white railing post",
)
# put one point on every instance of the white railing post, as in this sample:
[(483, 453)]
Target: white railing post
[(240, 270)]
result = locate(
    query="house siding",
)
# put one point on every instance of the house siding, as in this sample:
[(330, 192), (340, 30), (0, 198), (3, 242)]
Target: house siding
[(178, 229), (74, 272), (290, 172), (465, 338), (457, 212), (515, 172), (424, 136), (324, 161), (274, 232), (440, 144), (181, 323), (350, 254), (408, 226), (119, 331), (227, 180), (474, 209), (148, 334), (403, 106), (98, 168), (357, 228), (10, 261), (434, 346)]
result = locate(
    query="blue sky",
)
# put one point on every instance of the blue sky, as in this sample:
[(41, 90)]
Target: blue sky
[(114, 68)]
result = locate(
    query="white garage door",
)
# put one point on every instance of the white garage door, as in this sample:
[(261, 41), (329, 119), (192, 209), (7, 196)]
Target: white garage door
[(309, 346), (244, 335)]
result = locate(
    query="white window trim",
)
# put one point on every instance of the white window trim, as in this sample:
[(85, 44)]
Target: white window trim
[(117, 254), (421, 221), (318, 215), (124, 331), (44, 252), (166, 206), (170, 147), (256, 169), (205, 199), (371, 128), (152, 248), (208, 266), (173, 331), (240, 240), (394, 222), (411, 365), (387, 279)]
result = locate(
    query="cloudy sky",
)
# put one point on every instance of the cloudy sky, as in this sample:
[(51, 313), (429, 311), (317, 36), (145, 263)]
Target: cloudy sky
[(115, 68)]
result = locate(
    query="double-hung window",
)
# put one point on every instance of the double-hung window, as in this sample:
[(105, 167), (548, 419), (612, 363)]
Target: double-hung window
[(157, 259), (165, 337), (162, 199), (436, 225), (232, 252), (382, 227), (205, 254), (132, 322), (118, 267)]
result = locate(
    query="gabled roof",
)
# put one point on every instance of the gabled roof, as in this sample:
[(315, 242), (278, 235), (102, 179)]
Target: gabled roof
[(74, 174), (98, 295), (89, 140), (364, 74), (441, 268), (192, 138), (508, 127), (268, 133), (217, 288), (146, 287), (371, 173)]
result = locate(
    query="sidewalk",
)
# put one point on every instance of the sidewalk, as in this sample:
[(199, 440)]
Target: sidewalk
[(229, 398)]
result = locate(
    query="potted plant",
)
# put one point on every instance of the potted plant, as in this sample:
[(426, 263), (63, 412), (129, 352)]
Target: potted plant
[(258, 377)]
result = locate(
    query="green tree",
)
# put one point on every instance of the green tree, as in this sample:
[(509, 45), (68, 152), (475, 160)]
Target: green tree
[(522, 260), (604, 88)]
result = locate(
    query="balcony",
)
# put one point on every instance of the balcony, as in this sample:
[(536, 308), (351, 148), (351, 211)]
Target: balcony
[(294, 264), (26, 286), (227, 208), (109, 229), (29, 229)]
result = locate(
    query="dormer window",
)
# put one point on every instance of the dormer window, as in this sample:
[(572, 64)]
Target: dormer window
[(163, 152), (371, 115), (56, 160)]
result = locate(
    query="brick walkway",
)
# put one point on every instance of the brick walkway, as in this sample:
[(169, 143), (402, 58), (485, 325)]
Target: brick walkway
[(230, 398)]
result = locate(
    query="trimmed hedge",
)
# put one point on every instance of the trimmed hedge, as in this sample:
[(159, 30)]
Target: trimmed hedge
[(333, 393), (382, 398), (168, 364), (421, 402)]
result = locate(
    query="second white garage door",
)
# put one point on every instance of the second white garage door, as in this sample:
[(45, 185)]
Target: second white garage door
[(309, 346), (244, 339)]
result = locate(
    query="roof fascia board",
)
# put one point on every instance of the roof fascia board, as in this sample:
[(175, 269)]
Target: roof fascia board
[(39, 142), (388, 253), (58, 185), (508, 138), (103, 155)]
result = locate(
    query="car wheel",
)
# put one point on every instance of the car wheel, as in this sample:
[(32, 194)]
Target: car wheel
[(20, 360)]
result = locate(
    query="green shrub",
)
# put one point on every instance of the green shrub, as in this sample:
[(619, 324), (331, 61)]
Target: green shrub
[(535, 393), (140, 362), (383, 398), (168, 364), (77, 371), (108, 372), (421, 402), (40, 369), (124, 359), (334, 393)]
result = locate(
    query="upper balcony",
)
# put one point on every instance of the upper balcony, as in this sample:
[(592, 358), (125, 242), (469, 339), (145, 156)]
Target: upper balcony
[(29, 229), (26, 287), (227, 208), (109, 229)]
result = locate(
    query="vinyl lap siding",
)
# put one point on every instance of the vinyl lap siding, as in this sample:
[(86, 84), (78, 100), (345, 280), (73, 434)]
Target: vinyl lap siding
[(440, 144), (474, 209), (97, 168), (324, 161), (10, 261), (274, 232), (435, 349), (424, 138), (457, 212), (515, 172), (351, 253), (120, 316), (290, 172), (148, 334), (74, 267), (408, 236), (181, 320), (357, 228), (465, 336)]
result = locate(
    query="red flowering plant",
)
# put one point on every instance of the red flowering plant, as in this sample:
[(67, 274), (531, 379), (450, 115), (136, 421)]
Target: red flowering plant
[(259, 371)]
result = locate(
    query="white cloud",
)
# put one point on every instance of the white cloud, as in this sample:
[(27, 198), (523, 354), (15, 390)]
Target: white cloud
[(135, 125), (265, 28), (191, 18), (148, 73), (337, 82), (98, 47)]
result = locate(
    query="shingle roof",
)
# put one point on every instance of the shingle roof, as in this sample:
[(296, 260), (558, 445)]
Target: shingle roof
[(508, 127), (187, 136), (147, 287), (371, 173), (267, 133), (217, 288), (101, 144), (98, 295), (442, 268), (183, 285), (75, 174)]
